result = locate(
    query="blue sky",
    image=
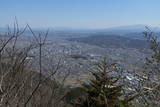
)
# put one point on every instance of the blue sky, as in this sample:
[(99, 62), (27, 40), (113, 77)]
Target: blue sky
[(80, 13)]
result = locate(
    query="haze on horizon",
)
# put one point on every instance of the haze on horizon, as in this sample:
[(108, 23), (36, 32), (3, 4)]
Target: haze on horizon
[(80, 13)]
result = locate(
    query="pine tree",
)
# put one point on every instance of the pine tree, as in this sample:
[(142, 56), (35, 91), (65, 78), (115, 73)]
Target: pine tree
[(103, 90)]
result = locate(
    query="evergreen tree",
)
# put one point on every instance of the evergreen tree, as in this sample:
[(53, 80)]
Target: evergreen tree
[(103, 90)]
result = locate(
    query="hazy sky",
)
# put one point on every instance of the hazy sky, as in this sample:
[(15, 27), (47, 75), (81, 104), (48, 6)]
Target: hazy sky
[(80, 13)]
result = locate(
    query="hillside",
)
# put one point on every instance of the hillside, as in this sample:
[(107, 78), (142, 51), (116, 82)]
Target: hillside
[(112, 41)]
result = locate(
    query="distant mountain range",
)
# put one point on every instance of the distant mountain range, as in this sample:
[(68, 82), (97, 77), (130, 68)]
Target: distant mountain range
[(127, 31), (133, 28)]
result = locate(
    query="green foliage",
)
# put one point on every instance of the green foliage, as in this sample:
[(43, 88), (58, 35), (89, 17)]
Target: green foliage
[(154, 44), (103, 90), (153, 70)]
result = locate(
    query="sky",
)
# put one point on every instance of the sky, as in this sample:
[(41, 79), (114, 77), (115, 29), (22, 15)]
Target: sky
[(80, 13)]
